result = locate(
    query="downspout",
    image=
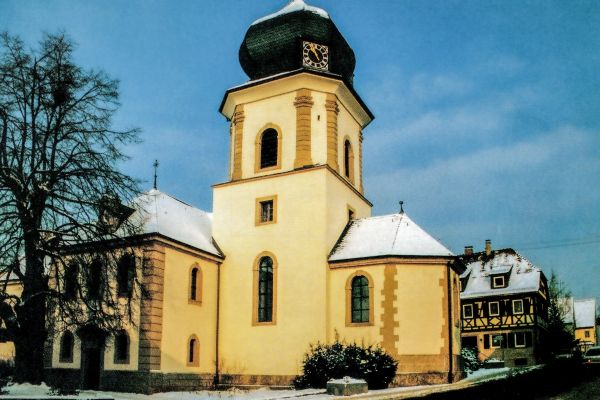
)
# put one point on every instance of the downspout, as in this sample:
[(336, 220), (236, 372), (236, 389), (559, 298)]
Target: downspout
[(450, 322), (216, 377)]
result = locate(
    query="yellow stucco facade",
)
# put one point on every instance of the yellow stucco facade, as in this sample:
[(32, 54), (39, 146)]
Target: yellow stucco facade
[(586, 336)]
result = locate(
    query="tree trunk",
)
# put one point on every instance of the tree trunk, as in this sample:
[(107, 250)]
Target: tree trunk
[(29, 342), (31, 316)]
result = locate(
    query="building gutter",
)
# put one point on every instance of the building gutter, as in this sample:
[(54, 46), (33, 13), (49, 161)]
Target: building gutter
[(216, 378), (450, 336)]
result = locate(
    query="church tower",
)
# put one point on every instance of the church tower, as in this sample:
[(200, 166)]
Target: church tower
[(295, 181)]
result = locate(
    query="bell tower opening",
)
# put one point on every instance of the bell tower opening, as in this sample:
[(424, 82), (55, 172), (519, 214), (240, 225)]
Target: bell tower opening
[(268, 148)]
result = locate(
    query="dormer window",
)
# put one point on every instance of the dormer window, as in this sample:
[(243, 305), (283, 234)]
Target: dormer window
[(498, 282)]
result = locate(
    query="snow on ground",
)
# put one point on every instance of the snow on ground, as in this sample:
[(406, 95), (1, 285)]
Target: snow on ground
[(24, 391)]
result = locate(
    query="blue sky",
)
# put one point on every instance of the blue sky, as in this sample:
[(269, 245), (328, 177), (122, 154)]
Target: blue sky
[(487, 112)]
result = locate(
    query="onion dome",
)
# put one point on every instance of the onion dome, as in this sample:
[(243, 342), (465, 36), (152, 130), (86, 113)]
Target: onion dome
[(274, 44)]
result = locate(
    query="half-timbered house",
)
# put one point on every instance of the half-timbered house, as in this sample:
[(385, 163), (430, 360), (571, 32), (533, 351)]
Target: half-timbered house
[(504, 306)]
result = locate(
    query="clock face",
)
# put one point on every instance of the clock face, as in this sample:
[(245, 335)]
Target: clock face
[(315, 55)]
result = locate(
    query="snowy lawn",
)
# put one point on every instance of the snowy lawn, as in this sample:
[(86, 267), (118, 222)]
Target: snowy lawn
[(25, 391)]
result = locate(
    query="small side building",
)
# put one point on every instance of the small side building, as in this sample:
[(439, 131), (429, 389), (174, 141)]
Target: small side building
[(504, 305), (581, 317)]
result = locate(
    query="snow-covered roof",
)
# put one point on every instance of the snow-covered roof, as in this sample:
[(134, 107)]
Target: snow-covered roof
[(585, 313), (163, 214), (294, 5), (523, 276), (387, 235)]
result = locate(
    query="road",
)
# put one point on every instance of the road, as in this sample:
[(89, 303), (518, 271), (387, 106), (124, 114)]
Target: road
[(589, 390)]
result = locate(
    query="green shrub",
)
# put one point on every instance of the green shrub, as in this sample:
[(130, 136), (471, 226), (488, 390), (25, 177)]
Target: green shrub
[(470, 359), (324, 362), (7, 368)]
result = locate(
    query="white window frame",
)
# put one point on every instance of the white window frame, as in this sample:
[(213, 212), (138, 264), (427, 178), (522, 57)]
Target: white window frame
[(465, 308), (492, 341), (490, 308), (522, 335), (495, 284), (517, 301)]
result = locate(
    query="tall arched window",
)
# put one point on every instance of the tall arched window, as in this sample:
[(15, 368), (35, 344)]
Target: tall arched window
[(193, 352), (94, 279), (66, 347), (70, 280), (125, 275), (360, 299), (121, 348), (195, 284), (348, 161), (269, 148), (265, 290)]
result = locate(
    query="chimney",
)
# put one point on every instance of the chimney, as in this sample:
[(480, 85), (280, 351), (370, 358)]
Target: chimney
[(468, 250), (488, 247)]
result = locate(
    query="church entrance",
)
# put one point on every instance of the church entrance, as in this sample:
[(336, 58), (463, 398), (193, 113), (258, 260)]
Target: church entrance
[(92, 356)]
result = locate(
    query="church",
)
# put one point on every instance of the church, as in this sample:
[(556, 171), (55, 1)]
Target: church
[(289, 256)]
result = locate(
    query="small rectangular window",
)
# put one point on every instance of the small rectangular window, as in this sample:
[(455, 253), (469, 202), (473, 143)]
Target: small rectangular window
[(266, 210), (468, 311), (587, 334), (517, 306), (497, 341), (498, 282), (494, 308), (520, 339)]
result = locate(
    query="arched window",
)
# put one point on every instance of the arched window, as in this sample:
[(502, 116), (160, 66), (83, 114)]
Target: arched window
[(348, 161), (265, 290), (94, 279), (125, 275), (269, 148), (121, 348), (193, 352), (359, 299), (70, 280), (195, 284), (66, 347)]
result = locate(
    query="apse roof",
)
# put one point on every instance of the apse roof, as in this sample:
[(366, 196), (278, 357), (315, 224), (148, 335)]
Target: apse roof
[(387, 235)]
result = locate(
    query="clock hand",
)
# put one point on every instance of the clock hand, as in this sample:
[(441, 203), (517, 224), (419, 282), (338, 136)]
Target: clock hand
[(314, 50)]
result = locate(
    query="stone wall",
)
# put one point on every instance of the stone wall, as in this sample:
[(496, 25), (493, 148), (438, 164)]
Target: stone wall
[(131, 381)]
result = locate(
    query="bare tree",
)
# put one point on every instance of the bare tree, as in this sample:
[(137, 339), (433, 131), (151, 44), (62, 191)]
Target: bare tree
[(560, 338), (60, 192)]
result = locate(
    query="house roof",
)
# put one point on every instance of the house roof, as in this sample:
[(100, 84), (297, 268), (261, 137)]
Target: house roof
[(523, 275), (165, 215), (387, 235), (585, 313)]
